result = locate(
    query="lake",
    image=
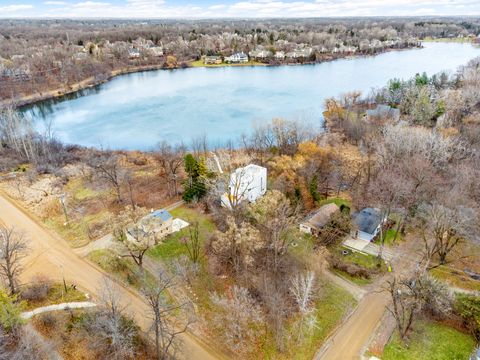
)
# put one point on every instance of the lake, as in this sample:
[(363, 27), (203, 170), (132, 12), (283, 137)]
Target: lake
[(136, 111)]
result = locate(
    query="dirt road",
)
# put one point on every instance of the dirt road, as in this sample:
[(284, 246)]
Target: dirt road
[(348, 341), (50, 255)]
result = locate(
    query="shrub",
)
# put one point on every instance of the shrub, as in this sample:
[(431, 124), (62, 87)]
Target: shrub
[(48, 320), (350, 269), (10, 310), (38, 290), (468, 308)]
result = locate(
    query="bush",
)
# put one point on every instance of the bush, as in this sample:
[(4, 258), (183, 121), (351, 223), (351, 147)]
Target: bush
[(10, 310), (468, 308), (48, 320), (38, 290), (350, 269)]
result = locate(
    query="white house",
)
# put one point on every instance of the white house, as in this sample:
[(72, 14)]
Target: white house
[(279, 55), (246, 183), (133, 53), (237, 58), (367, 223), (260, 54)]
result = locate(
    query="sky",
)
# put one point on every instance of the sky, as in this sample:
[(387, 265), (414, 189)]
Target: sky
[(233, 8)]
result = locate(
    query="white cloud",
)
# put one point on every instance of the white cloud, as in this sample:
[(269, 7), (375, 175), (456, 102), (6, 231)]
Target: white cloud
[(15, 8), (259, 8), (90, 5)]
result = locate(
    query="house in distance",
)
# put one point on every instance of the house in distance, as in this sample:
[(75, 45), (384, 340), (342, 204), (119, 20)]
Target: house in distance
[(237, 58)]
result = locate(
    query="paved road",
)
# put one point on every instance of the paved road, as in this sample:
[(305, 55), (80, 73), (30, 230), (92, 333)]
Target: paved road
[(50, 255), (57, 307)]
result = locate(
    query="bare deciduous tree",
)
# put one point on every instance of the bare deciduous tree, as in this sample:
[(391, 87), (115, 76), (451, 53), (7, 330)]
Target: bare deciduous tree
[(171, 161), (167, 323), (405, 304), (108, 168), (135, 231), (12, 249), (236, 246), (410, 297), (193, 243), (444, 228), (238, 316), (303, 290)]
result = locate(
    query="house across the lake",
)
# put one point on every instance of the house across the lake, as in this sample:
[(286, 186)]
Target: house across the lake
[(316, 220), (133, 53), (208, 60), (237, 58), (367, 223), (280, 55), (260, 54)]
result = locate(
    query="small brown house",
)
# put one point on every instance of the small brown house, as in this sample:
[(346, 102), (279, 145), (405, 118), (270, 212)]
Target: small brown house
[(316, 220)]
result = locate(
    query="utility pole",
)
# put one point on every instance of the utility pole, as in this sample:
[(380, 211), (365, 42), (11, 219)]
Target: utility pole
[(64, 207)]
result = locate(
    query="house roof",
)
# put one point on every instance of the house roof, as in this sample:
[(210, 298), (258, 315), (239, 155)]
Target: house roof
[(161, 214), (322, 216), (367, 220), (384, 111)]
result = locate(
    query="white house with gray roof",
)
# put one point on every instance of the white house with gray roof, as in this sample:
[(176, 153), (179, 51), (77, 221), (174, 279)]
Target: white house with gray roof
[(237, 58), (366, 223)]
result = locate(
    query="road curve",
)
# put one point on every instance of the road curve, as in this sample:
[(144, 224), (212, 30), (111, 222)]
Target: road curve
[(50, 255)]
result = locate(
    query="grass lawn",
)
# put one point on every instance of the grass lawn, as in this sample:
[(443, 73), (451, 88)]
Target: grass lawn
[(356, 280), (57, 295), (332, 306), (456, 39), (171, 247), (430, 341), (78, 190), (455, 278), (338, 201), (76, 232), (389, 236), (124, 269), (200, 63), (365, 261)]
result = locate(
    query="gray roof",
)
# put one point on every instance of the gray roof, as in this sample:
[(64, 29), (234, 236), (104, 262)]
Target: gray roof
[(367, 220), (161, 214), (384, 111)]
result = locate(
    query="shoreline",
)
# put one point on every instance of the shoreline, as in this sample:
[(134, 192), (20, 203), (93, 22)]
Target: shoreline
[(91, 82), (76, 87)]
